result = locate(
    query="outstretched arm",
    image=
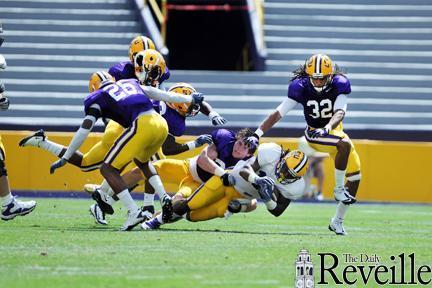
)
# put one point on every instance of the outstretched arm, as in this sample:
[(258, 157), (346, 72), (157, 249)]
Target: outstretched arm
[(214, 116), (158, 94), (172, 147), (206, 161)]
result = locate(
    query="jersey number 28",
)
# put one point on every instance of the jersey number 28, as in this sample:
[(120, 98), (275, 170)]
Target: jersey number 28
[(120, 90), (323, 109)]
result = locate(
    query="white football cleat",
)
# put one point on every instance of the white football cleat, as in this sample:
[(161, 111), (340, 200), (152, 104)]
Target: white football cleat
[(336, 225), (16, 208), (98, 214), (134, 218), (342, 195), (33, 140), (151, 224)]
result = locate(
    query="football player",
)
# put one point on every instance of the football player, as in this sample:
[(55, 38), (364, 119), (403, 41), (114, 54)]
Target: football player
[(273, 175), (322, 90), (128, 103), (227, 149), (9, 206), (126, 69)]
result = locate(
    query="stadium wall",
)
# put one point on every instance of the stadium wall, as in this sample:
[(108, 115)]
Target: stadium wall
[(391, 171)]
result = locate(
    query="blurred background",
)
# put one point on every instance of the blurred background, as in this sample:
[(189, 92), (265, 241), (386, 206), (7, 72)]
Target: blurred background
[(240, 53)]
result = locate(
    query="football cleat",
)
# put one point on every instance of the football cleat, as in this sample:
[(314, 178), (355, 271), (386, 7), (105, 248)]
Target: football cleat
[(133, 219), (33, 140), (336, 225), (102, 200), (148, 211), (342, 195), (98, 214), (91, 188), (17, 208), (151, 224), (167, 209)]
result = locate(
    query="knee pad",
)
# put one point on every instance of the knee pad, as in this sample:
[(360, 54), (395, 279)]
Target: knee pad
[(3, 171)]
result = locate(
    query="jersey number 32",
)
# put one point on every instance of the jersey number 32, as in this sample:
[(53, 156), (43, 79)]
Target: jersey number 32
[(323, 109)]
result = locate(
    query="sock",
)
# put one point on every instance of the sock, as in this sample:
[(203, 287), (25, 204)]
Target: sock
[(106, 188), (51, 147), (341, 210), (6, 200), (339, 178), (148, 199), (157, 185), (110, 200), (127, 200), (159, 218)]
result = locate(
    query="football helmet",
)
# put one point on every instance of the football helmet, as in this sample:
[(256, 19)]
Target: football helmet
[(319, 66), (138, 44), (149, 66), (184, 109), (99, 79), (292, 166)]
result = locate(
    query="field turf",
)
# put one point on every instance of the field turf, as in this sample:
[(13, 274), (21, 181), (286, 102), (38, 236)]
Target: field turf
[(58, 245)]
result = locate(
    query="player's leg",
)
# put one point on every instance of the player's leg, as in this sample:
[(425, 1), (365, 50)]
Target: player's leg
[(40, 140), (127, 146), (10, 207), (353, 181), (338, 145)]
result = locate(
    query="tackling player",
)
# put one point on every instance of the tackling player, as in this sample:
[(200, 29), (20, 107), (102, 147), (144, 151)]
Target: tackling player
[(274, 176), (322, 90)]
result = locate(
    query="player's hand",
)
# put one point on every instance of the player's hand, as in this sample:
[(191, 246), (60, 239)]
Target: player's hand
[(4, 103), (197, 98), (266, 188), (59, 163), (203, 139), (320, 132), (252, 141), (228, 179), (218, 120)]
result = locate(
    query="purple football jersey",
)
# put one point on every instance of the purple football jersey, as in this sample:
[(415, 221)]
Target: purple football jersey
[(122, 101), (224, 141), (126, 70), (318, 107), (176, 122)]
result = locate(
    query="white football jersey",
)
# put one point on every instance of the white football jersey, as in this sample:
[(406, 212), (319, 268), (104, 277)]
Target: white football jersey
[(268, 156)]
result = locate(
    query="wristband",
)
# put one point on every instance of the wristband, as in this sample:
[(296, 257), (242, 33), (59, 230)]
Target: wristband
[(259, 132), (191, 145), (219, 171)]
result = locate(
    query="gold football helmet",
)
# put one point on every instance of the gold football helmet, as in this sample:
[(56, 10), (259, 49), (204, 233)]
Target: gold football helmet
[(149, 66), (99, 79), (138, 44), (184, 109), (320, 70), (292, 166)]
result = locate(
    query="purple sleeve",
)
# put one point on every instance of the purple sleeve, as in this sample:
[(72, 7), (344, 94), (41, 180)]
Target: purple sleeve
[(295, 90), (343, 84)]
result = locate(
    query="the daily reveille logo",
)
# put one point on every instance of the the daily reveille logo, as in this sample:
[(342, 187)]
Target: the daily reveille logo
[(360, 269)]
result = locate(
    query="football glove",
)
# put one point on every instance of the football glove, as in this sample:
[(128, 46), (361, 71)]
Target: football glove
[(58, 164), (203, 139), (4, 103), (228, 179), (320, 132), (218, 120), (197, 98), (266, 187), (252, 141)]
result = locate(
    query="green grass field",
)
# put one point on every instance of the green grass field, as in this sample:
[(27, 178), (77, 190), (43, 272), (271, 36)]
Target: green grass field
[(60, 246)]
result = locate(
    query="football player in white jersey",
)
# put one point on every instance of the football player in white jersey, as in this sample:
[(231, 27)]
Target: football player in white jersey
[(274, 176)]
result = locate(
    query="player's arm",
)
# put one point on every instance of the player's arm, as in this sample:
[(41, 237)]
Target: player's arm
[(214, 116), (161, 95), (339, 110), (206, 161), (172, 147), (280, 111), (92, 114), (281, 204)]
